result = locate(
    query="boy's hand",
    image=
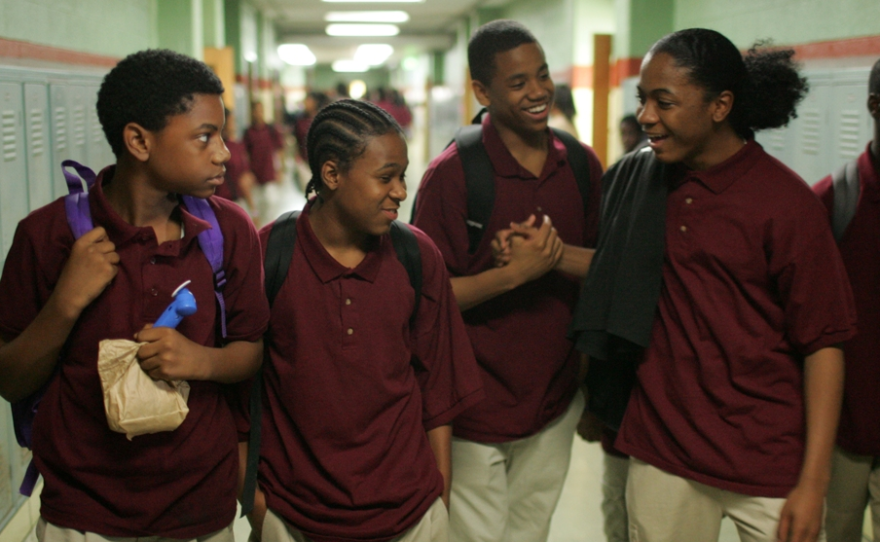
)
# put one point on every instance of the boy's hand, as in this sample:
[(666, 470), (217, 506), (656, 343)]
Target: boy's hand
[(258, 514), (801, 516), (501, 243), (534, 251), (89, 270), (589, 427), (168, 355)]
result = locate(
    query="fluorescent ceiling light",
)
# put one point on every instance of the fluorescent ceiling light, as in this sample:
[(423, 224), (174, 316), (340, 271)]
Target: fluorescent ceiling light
[(366, 17), (373, 54), (362, 30), (376, 1), (296, 54), (250, 56), (350, 66)]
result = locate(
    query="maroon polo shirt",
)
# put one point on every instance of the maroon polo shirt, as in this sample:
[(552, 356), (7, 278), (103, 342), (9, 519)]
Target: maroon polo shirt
[(261, 144), (235, 168), (351, 390), (528, 365), (752, 283), (176, 484), (860, 250)]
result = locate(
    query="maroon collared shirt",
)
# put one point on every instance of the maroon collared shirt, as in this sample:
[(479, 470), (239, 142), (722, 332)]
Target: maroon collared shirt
[(752, 283), (352, 388), (860, 250), (176, 484), (262, 143), (528, 365)]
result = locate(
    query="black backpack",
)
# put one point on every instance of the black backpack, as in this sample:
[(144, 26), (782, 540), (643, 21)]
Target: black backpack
[(479, 175), (846, 197), (279, 253)]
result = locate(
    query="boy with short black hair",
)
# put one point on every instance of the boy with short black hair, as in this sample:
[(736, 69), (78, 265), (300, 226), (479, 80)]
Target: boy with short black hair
[(511, 452), (59, 297)]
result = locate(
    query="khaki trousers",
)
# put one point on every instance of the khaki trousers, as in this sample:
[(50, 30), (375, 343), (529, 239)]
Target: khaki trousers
[(663, 507), (48, 532), (433, 527), (507, 492), (614, 498), (855, 484)]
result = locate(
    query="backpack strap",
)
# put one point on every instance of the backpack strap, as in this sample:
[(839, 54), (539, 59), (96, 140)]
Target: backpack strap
[(479, 180), (76, 202), (409, 254), (211, 243), (846, 197), (579, 163), (279, 253)]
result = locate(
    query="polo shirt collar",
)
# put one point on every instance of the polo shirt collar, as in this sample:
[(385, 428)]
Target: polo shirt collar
[(719, 177), (324, 265), (120, 231), (505, 165)]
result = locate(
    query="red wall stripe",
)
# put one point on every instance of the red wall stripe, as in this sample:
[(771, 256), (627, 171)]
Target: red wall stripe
[(33, 51)]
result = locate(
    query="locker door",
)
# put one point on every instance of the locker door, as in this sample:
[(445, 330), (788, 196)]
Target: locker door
[(812, 135), (58, 105), (39, 165), (13, 163), (7, 439), (850, 120), (79, 103), (99, 152)]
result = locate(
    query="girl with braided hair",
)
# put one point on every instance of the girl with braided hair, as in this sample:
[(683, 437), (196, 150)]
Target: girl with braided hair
[(718, 289), (361, 379)]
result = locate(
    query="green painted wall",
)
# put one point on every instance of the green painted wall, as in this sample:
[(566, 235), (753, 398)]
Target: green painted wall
[(214, 23), (552, 23), (788, 22), (640, 23), (180, 26), (88, 26)]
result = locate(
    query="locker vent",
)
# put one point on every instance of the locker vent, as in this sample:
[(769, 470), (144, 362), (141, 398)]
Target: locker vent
[(60, 128), (79, 126), (849, 140), (10, 148), (777, 141), (97, 131), (37, 137), (810, 131)]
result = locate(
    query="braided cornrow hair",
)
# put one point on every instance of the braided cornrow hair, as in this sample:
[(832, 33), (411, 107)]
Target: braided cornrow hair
[(341, 132)]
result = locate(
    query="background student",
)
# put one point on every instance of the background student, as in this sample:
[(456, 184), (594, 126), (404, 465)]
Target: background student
[(855, 471)]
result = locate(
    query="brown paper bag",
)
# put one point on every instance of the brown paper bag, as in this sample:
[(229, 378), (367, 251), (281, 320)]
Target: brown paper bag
[(135, 403)]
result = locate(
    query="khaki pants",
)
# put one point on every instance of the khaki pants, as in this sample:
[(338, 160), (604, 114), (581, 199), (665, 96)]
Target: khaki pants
[(507, 492), (47, 532), (614, 498), (663, 507), (433, 527), (855, 484)]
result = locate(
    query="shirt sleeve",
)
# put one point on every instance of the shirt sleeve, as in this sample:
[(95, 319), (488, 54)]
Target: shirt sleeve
[(445, 365), (441, 210), (810, 277)]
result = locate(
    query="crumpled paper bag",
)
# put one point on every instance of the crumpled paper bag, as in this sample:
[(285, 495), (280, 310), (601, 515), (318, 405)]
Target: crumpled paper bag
[(135, 403)]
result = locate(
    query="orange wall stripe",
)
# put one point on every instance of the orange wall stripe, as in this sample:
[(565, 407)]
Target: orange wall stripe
[(865, 46), (33, 51)]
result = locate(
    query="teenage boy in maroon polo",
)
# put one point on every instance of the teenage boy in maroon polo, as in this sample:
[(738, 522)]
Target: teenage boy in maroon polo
[(359, 395), (855, 469), (511, 451), (264, 143), (59, 297)]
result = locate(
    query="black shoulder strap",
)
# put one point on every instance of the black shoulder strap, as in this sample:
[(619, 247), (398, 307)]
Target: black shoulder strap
[(407, 248), (279, 253), (479, 179), (846, 197), (579, 163)]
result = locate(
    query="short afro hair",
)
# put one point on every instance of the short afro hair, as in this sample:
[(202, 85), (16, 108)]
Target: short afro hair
[(874, 79), (489, 40), (149, 86)]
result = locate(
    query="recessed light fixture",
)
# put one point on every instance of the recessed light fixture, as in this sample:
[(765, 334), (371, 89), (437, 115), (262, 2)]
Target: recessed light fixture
[(366, 17), (296, 54), (373, 53), (376, 1), (350, 66), (362, 30)]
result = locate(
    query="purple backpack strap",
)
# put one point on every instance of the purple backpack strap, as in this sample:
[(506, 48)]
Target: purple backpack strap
[(211, 241), (76, 203), (79, 216)]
